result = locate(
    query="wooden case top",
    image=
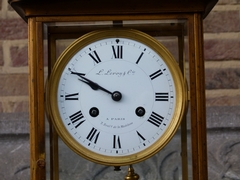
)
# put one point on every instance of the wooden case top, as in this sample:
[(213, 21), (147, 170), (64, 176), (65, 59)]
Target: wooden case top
[(28, 8)]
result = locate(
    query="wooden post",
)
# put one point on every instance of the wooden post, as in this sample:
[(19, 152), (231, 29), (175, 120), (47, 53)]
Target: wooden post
[(36, 100), (197, 96)]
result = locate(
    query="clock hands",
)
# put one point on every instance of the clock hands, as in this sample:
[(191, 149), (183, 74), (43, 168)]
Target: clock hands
[(92, 84), (116, 95)]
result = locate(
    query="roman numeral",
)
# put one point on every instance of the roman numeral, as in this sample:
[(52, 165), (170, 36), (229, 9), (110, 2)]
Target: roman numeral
[(73, 96), (139, 58), (161, 96), (116, 142), (95, 57), (76, 118), (155, 119), (93, 135), (156, 74), (141, 138), (117, 52)]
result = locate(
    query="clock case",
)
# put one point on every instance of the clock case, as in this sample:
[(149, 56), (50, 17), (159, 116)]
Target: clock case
[(51, 23), (53, 110), (173, 33)]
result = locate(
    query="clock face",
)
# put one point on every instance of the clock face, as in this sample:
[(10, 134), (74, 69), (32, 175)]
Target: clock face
[(117, 98)]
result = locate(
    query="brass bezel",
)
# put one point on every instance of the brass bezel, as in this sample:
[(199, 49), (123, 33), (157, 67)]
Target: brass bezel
[(52, 85)]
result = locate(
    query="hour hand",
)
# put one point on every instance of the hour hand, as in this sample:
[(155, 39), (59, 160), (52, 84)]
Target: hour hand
[(93, 85), (116, 95)]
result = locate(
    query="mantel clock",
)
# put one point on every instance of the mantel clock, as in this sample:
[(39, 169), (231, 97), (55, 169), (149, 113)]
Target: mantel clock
[(119, 91), (116, 96)]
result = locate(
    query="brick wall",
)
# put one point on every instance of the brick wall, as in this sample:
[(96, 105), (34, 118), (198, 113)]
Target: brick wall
[(222, 54), (13, 61)]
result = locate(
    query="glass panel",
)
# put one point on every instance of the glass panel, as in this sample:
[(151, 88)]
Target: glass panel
[(165, 165)]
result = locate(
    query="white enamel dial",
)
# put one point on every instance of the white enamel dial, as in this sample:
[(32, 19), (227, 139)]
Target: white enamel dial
[(116, 97)]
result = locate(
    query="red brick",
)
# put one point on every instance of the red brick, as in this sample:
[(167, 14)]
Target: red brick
[(172, 46), (13, 29), (19, 56), (21, 106), (1, 56), (13, 84), (60, 48), (222, 49), (1, 108), (222, 21), (223, 100), (223, 78)]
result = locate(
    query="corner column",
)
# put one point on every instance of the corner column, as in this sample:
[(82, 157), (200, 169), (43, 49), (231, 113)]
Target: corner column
[(36, 99), (197, 98)]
